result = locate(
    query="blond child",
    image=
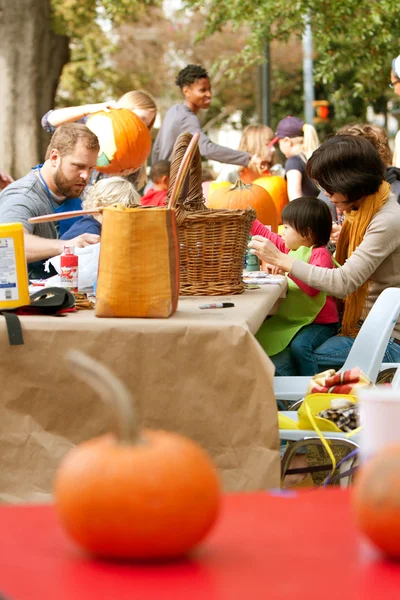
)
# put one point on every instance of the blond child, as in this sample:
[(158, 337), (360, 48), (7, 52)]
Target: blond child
[(113, 190), (256, 140)]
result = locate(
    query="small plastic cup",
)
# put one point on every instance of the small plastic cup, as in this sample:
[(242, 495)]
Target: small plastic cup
[(379, 418)]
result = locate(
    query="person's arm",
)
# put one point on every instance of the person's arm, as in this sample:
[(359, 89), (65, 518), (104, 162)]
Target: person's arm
[(320, 257), (37, 248), (381, 239), (294, 178), (212, 151), (259, 229), (155, 153), (5, 179), (70, 114)]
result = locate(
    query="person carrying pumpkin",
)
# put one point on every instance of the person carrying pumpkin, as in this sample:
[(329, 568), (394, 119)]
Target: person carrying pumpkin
[(307, 317), (141, 103), (297, 141), (195, 85), (352, 174)]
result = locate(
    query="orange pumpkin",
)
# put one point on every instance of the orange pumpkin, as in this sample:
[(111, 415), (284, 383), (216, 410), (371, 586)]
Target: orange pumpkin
[(138, 495), (210, 186), (242, 195), (376, 500), (277, 188), (125, 141)]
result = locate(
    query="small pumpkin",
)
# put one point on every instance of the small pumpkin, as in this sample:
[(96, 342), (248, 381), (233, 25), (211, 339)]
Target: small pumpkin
[(376, 500), (125, 141), (241, 196), (136, 495), (276, 186)]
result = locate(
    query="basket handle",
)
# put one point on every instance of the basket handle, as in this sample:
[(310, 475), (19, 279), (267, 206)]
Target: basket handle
[(178, 174), (193, 194), (64, 215)]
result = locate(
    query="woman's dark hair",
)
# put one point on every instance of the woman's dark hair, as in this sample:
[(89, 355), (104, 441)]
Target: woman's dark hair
[(190, 74), (310, 217), (347, 164)]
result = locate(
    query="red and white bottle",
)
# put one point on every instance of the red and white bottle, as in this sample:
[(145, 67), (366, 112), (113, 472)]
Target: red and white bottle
[(69, 269)]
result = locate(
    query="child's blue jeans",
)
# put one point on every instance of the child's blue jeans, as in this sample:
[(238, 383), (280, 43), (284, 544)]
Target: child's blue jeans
[(300, 357), (333, 353)]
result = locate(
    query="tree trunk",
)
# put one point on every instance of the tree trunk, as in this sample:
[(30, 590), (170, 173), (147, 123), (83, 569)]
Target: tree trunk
[(31, 60)]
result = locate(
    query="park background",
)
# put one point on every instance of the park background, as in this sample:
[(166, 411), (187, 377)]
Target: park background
[(57, 53)]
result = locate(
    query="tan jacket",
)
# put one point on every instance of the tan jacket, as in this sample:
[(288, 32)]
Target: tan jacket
[(377, 258)]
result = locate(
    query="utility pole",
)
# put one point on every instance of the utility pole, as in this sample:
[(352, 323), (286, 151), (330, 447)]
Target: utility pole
[(266, 86), (308, 83)]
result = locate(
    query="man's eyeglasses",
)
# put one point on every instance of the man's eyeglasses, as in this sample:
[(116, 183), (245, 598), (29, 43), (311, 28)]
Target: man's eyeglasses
[(393, 83)]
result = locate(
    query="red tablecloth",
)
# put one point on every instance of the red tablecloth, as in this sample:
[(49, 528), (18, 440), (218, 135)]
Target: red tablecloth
[(264, 547)]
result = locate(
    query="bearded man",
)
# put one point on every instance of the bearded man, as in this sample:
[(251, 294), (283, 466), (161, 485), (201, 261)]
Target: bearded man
[(54, 186)]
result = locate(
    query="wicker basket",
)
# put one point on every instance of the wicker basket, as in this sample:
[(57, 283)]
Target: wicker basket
[(212, 243)]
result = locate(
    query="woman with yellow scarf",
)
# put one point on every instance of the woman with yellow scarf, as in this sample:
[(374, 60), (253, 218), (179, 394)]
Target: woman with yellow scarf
[(352, 175)]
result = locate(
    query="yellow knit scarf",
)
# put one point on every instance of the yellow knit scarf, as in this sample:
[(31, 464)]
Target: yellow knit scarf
[(351, 236)]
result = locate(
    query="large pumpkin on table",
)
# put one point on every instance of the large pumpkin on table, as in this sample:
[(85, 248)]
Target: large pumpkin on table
[(125, 141), (241, 196), (376, 500), (137, 494), (277, 188)]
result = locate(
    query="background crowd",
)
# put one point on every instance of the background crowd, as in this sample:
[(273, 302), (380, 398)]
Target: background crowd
[(341, 228)]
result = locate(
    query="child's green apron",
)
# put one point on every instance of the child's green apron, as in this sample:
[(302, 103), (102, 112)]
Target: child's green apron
[(296, 311)]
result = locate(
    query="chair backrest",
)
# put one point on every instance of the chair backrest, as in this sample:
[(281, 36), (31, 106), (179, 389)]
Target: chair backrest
[(370, 344)]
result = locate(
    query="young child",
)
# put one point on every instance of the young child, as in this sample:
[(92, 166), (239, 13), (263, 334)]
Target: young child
[(256, 139), (297, 141), (159, 175), (113, 190), (307, 317)]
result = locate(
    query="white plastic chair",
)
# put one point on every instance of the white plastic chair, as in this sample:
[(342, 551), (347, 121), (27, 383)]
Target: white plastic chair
[(367, 351)]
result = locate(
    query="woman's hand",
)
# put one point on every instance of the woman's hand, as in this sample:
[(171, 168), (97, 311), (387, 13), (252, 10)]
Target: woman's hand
[(336, 229), (272, 270), (90, 109), (269, 253)]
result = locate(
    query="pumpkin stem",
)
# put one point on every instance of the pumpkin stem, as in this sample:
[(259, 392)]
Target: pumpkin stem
[(239, 185), (111, 390)]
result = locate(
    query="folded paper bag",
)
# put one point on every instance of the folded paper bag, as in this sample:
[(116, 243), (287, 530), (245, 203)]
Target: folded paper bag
[(139, 263)]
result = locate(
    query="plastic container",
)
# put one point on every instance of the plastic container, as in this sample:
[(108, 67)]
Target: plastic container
[(14, 290), (69, 269), (252, 262)]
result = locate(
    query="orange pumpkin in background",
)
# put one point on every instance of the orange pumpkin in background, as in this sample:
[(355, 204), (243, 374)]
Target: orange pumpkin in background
[(137, 495), (210, 186), (376, 500), (276, 186), (125, 141), (241, 196)]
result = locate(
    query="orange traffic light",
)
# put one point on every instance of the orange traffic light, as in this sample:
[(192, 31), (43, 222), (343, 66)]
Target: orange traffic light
[(322, 110)]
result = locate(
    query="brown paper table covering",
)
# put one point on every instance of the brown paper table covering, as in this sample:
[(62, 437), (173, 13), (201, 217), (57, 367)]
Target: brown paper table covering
[(200, 372)]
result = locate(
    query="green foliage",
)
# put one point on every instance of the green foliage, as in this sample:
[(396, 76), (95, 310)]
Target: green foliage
[(90, 76), (74, 17), (354, 40)]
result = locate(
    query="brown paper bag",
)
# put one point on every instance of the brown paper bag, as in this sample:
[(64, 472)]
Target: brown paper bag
[(139, 263)]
